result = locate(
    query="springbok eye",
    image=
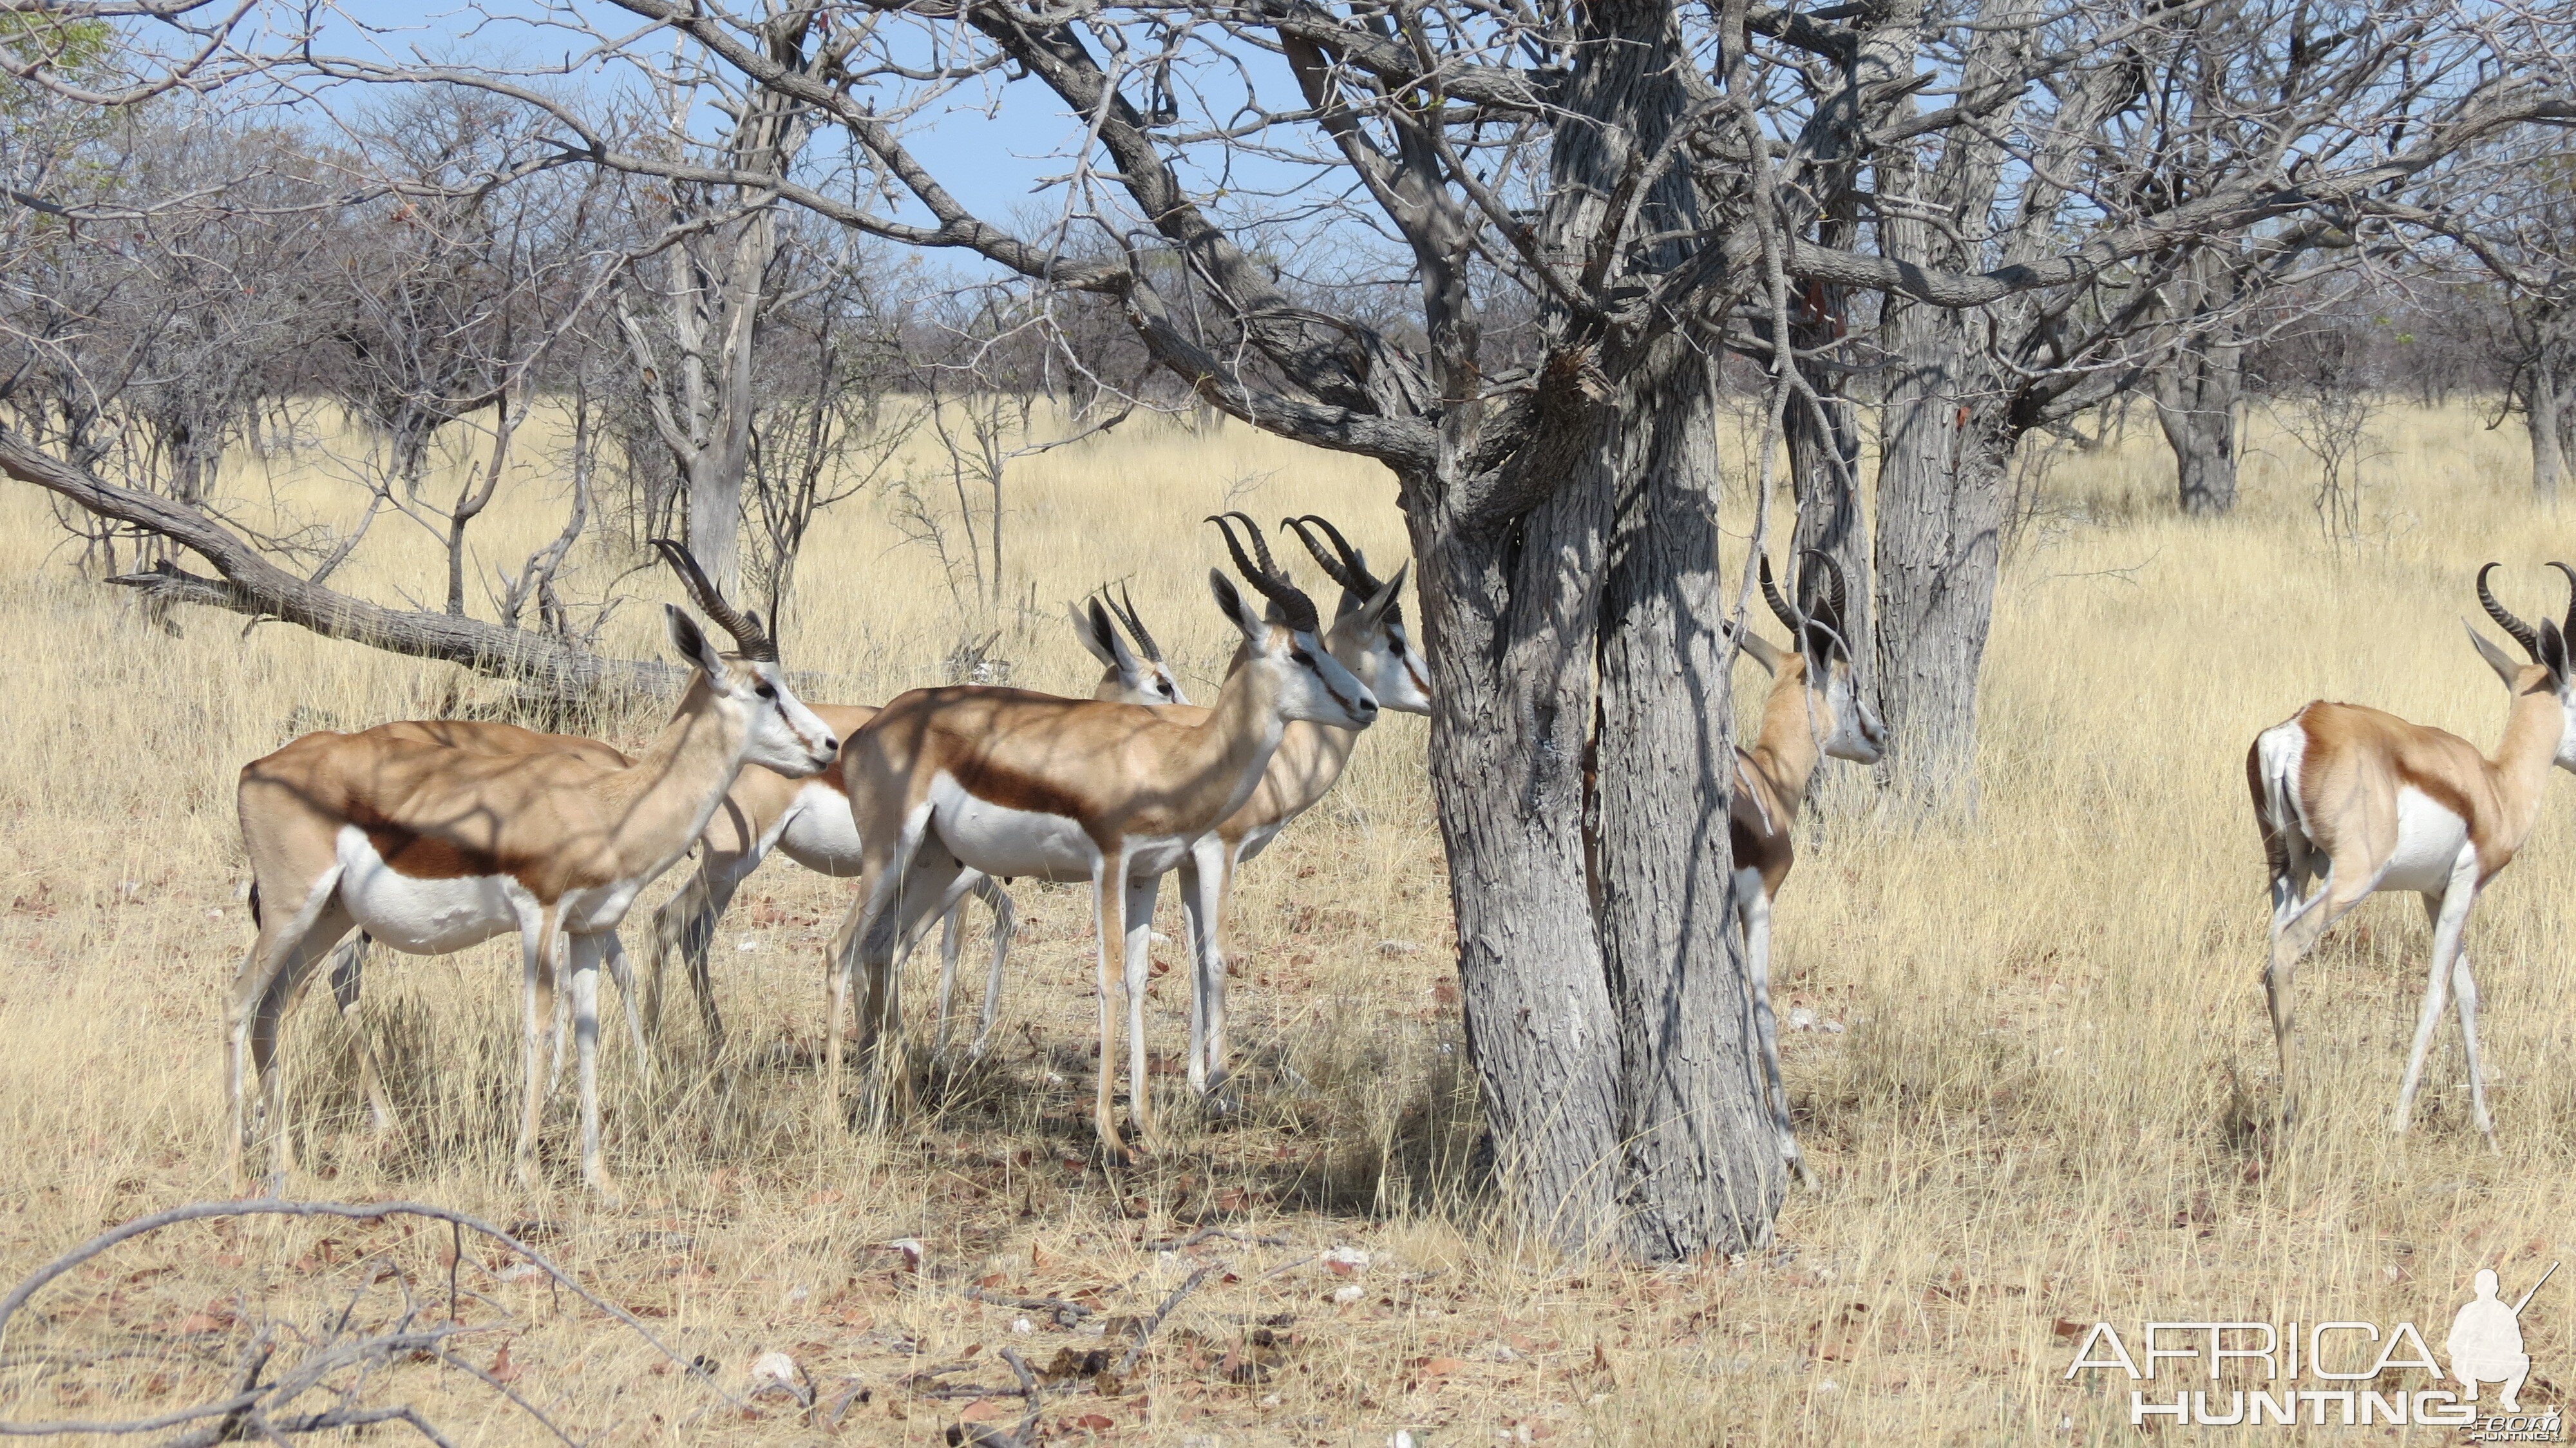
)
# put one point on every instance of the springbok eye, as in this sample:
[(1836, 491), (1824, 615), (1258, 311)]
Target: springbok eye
[(1301, 658), (766, 692)]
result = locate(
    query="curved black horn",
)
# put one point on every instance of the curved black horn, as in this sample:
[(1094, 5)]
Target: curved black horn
[(1842, 586), (1125, 608), (1351, 559), (2569, 627), (749, 639), (1260, 545), (1295, 609), (2523, 633), (1780, 609), (1337, 569)]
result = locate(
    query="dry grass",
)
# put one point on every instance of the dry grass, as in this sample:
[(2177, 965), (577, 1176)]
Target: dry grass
[(2042, 1107)]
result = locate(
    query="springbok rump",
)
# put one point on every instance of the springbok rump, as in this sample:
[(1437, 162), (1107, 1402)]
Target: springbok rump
[(2376, 803)]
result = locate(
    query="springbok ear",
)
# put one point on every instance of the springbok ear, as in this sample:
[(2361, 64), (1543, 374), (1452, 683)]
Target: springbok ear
[(690, 642), (2497, 659), (1236, 608), (1761, 651), (1121, 657), (1091, 628), (1388, 595), (2553, 651)]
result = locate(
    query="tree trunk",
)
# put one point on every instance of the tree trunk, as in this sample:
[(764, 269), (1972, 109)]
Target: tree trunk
[(1703, 1172), (1506, 631), (2545, 410), (1580, 757), (717, 465), (2197, 389), (1824, 469), (2196, 397), (1940, 513)]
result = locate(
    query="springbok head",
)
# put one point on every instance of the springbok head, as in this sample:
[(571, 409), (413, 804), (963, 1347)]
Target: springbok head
[(2546, 644), (1285, 642), (1368, 624), (1138, 680), (1820, 659), (746, 685)]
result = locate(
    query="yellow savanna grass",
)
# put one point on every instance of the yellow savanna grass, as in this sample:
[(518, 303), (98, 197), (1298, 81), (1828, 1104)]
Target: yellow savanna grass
[(2046, 1104)]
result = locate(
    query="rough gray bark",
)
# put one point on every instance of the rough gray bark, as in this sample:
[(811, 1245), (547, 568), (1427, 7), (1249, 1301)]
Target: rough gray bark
[(2544, 390), (2544, 411), (1823, 437), (720, 283), (1703, 1170), (2196, 395), (1510, 731), (1941, 483), (1943, 447), (2198, 387)]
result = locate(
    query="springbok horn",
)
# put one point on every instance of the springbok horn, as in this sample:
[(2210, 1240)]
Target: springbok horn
[(1260, 545), (1336, 569), (1125, 608), (749, 639), (1296, 610), (1842, 586), (2523, 633), (1780, 609), (2569, 627)]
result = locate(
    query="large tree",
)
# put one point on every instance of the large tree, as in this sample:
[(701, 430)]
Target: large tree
[(1592, 204)]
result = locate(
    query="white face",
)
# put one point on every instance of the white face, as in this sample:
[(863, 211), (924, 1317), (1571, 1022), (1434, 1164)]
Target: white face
[(2566, 732), (1383, 658), (1313, 685), (785, 735), (1309, 683), (1857, 734), (1167, 689)]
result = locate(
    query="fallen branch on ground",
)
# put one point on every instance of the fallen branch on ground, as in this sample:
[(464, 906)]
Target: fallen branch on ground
[(253, 1409)]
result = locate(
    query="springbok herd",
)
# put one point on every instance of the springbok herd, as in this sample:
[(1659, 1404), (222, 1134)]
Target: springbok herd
[(431, 836)]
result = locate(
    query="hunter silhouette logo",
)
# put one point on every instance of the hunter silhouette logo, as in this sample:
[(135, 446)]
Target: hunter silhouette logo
[(2486, 1341)]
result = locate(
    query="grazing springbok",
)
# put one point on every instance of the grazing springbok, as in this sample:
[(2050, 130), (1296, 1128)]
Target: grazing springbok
[(2389, 805), (1368, 638), (1812, 711), (431, 848), (809, 821), (1015, 783)]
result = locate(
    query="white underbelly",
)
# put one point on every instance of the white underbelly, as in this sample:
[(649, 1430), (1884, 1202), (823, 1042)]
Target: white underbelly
[(423, 917), (586, 912), (1258, 839), (1009, 843), (1149, 858), (821, 834), (2430, 843)]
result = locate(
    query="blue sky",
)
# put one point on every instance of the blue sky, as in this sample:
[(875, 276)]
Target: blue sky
[(991, 146)]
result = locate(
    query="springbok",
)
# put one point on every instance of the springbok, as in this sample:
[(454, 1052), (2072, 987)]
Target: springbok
[(348, 961), (1015, 783), (809, 821), (1811, 711), (2389, 805), (1368, 638), (430, 849)]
